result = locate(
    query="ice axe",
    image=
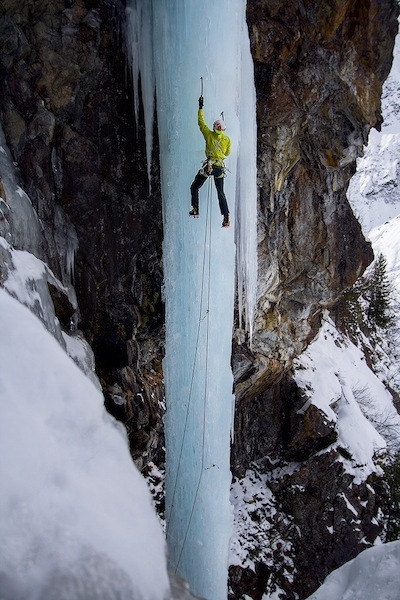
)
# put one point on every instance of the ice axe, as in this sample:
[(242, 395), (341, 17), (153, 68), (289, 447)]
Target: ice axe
[(201, 93)]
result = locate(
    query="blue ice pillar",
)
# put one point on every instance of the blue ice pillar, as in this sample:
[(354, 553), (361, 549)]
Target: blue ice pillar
[(197, 39), (192, 39)]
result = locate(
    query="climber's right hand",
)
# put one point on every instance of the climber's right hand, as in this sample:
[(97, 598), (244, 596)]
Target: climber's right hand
[(201, 102)]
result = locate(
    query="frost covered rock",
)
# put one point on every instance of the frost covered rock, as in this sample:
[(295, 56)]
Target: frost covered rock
[(315, 482)]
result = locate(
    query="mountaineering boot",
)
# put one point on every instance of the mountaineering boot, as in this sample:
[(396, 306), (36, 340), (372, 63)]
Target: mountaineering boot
[(226, 222), (194, 213)]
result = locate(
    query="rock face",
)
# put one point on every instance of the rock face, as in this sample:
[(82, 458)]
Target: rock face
[(67, 113), (319, 68)]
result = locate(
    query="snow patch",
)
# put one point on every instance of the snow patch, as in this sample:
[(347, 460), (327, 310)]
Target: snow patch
[(330, 373)]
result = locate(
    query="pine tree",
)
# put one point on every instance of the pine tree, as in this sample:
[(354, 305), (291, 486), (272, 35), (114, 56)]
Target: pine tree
[(378, 295), (366, 306)]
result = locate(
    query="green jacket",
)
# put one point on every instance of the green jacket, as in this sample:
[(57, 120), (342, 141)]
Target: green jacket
[(218, 145)]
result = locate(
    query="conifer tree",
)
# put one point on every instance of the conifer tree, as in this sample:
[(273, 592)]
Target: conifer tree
[(378, 295), (366, 306)]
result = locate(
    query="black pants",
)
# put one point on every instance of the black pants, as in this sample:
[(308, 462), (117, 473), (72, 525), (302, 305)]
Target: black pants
[(200, 179)]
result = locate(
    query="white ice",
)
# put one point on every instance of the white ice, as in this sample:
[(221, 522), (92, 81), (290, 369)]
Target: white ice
[(18, 210), (140, 52)]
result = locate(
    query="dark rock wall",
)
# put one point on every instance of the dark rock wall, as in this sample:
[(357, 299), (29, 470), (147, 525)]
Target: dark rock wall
[(67, 112), (319, 68)]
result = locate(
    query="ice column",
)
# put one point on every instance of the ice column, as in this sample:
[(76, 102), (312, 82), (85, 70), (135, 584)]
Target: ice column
[(206, 39)]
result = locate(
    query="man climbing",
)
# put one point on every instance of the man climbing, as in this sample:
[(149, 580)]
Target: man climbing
[(218, 147)]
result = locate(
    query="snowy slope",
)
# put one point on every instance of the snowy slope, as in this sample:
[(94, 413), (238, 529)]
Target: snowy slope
[(333, 373), (372, 575), (386, 240), (76, 516), (334, 376), (373, 190), (375, 572)]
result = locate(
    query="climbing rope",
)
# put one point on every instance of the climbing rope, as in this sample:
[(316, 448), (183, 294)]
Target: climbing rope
[(205, 276), (204, 411)]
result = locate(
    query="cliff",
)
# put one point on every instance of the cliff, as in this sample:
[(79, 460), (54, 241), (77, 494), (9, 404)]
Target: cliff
[(67, 113), (319, 69)]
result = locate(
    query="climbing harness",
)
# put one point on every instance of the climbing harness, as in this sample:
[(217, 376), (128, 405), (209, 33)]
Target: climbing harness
[(209, 168)]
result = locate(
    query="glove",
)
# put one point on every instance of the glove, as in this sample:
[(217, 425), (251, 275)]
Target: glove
[(201, 102)]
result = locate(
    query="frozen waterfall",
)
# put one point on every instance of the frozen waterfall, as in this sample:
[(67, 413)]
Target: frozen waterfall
[(174, 43)]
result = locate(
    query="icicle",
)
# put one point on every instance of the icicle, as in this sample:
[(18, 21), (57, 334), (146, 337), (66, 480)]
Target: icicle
[(140, 49), (67, 244), (246, 192)]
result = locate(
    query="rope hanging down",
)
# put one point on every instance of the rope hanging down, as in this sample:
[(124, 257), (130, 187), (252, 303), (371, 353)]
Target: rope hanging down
[(202, 317)]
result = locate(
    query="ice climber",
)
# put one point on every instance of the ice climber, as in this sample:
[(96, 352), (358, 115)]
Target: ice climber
[(218, 147)]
